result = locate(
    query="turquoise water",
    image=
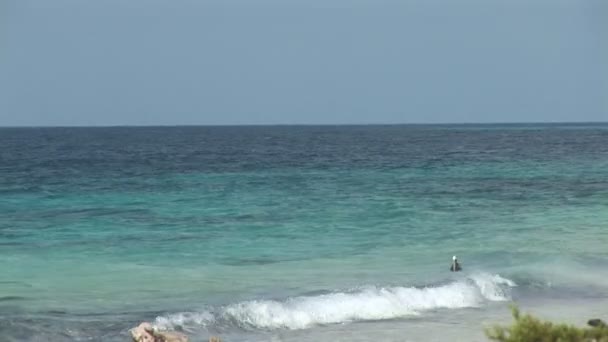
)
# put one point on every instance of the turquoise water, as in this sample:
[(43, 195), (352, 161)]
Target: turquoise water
[(259, 233)]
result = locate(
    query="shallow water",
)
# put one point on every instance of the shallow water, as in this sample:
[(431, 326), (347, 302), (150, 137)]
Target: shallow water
[(259, 233)]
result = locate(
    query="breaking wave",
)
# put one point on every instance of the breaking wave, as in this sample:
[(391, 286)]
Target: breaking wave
[(368, 303)]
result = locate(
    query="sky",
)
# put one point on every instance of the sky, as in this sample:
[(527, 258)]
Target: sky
[(227, 62)]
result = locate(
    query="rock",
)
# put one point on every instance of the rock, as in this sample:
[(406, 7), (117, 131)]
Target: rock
[(170, 336), (145, 332), (597, 323), (214, 339)]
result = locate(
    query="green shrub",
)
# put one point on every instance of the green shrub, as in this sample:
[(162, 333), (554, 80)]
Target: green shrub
[(531, 329)]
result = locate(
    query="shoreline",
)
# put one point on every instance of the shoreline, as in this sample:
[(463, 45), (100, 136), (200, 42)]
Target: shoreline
[(466, 325)]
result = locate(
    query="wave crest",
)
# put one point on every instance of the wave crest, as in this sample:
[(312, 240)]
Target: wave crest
[(370, 303)]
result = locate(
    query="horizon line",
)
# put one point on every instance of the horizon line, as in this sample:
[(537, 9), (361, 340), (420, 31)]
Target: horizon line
[(315, 124), (504, 123)]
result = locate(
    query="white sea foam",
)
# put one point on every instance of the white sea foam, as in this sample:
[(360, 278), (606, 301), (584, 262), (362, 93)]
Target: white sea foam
[(182, 319), (371, 303), (493, 287)]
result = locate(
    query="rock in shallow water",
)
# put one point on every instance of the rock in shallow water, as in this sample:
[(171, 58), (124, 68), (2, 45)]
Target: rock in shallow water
[(145, 332)]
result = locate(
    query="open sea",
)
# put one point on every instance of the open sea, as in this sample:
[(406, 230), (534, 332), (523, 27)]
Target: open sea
[(300, 233)]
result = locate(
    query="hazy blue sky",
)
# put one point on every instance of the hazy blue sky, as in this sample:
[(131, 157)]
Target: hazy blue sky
[(142, 62)]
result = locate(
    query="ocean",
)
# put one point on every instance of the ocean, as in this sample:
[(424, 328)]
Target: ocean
[(300, 233)]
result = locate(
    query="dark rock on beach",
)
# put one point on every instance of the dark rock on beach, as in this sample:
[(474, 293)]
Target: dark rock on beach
[(598, 323)]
